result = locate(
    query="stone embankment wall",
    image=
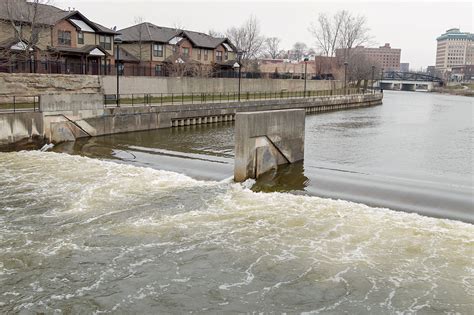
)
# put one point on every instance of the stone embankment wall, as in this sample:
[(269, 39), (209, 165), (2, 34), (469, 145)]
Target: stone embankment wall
[(157, 85), (30, 84), (20, 84)]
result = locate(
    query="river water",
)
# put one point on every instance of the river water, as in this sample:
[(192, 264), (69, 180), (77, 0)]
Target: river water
[(108, 228)]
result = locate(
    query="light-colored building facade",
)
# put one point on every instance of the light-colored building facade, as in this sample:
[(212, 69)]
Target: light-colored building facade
[(384, 57), (454, 48)]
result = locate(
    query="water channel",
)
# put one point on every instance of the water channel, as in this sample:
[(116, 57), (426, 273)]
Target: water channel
[(378, 219)]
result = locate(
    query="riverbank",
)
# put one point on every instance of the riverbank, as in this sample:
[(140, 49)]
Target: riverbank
[(460, 90), (67, 117)]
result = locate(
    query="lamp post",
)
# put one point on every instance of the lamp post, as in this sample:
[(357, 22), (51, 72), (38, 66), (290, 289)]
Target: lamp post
[(305, 71), (117, 42), (380, 83), (372, 85), (239, 64), (345, 77)]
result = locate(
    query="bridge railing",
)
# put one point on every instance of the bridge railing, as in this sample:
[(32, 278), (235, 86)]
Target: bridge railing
[(157, 99)]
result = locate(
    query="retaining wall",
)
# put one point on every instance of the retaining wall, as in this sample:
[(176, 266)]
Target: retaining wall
[(24, 127), (128, 119), (32, 84), (156, 85)]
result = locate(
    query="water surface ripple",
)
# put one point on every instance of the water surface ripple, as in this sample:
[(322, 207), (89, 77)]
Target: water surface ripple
[(81, 235)]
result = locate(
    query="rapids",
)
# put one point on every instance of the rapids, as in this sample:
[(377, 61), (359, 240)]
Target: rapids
[(82, 235)]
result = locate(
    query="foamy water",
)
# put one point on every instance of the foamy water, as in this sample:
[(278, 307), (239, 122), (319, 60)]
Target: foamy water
[(86, 236)]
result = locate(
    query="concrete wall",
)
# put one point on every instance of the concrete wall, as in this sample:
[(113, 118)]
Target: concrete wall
[(15, 127), (31, 84), (137, 85), (73, 105), (266, 139), (129, 119), (20, 84)]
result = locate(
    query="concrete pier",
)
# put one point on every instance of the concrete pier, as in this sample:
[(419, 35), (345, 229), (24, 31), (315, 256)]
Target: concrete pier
[(266, 139)]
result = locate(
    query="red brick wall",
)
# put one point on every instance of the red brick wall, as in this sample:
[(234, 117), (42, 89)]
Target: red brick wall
[(64, 26)]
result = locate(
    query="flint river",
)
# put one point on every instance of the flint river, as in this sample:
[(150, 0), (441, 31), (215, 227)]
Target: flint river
[(377, 220)]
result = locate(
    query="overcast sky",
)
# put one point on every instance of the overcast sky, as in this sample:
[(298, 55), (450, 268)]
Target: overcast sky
[(410, 25)]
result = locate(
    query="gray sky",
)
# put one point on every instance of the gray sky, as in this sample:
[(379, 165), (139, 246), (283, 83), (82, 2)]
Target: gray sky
[(410, 25)]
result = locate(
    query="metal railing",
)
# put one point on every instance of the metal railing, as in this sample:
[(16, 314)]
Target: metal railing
[(18, 103), (158, 99)]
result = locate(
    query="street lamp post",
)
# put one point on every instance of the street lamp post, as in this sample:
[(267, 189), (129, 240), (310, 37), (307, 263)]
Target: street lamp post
[(305, 71), (345, 77), (380, 83), (239, 59), (117, 42), (372, 85)]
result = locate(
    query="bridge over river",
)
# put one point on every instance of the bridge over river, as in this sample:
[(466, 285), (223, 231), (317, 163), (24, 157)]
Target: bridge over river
[(408, 81)]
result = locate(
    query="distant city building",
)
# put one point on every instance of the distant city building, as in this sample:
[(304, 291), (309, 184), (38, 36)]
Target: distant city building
[(462, 73), (455, 48), (384, 56), (404, 67)]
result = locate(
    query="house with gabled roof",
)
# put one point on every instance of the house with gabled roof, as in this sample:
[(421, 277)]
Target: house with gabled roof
[(164, 50), (51, 40)]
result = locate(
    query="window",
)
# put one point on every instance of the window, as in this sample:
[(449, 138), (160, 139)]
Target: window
[(80, 38), (158, 70), (186, 52), (64, 38), (105, 42), (226, 55), (206, 55), (218, 55), (157, 50), (199, 54)]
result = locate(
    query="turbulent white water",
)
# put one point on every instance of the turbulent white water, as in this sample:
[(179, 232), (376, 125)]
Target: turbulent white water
[(82, 235)]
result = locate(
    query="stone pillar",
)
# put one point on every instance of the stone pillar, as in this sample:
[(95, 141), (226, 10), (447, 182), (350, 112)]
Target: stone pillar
[(266, 139)]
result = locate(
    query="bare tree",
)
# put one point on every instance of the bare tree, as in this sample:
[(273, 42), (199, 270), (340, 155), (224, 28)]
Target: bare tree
[(215, 33), (354, 32), (360, 69), (30, 21), (299, 49), (327, 31), (141, 29), (272, 47), (342, 30), (247, 38)]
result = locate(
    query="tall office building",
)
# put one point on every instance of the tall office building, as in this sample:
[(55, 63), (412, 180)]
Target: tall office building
[(455, 48)]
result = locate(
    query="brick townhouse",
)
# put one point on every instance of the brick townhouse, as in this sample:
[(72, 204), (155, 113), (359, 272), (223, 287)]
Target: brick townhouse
[(45, 39), (156, 50)]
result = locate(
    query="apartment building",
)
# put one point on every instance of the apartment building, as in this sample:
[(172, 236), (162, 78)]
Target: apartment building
[(46, 39), (384, 57), (454, 48), (159, 50)]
